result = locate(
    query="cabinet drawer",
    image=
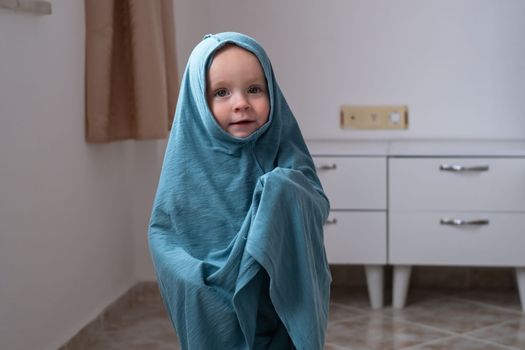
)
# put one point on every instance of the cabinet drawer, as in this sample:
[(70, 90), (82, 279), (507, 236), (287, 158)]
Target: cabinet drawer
[(421, 239), (353, 182), (356, 238), (420, 184)]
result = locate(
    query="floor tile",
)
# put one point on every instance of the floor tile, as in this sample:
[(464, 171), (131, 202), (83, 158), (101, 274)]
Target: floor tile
[(509, 333), (505, 298), (453, 315), (433, 320), (341, 312), (144, 326), (355, 297), (376, 331), (330, 346), (458, 342)]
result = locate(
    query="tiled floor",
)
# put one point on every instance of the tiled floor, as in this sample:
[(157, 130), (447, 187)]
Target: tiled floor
[(433, 320)]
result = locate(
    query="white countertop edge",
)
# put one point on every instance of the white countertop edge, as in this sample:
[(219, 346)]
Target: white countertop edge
[(348, 147), (418, 148)]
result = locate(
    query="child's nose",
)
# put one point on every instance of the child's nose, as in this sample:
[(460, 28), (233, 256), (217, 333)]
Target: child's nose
[(241, 103)]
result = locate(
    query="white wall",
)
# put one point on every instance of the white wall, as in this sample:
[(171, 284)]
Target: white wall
[(68, 220), (457, 64), (73, 217), (192, 20)]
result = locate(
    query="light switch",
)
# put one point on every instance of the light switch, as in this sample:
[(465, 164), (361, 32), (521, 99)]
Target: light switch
[(374, 117), (395, 117)]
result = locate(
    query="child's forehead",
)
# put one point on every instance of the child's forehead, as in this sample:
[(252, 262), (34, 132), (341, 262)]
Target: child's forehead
[(233, 51), (234, 60)]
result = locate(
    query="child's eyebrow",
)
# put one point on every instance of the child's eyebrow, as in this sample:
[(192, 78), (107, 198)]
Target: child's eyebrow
[(225, 82), (256, 80), (217, 83), (213, 85)]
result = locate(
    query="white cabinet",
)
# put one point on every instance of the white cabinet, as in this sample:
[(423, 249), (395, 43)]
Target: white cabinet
[(484, 239), (455, 207), (458, 184), (353, 183), (355, 232), (457, 211), (356, 237), (449, 203)]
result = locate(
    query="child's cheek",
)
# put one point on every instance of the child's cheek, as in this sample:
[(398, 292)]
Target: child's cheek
[(221, 115)]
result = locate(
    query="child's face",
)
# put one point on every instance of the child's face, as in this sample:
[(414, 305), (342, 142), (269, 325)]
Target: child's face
[(237, 92)]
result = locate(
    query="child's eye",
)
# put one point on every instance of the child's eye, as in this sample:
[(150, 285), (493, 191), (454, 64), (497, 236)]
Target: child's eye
[(254, 90), (221, 93)]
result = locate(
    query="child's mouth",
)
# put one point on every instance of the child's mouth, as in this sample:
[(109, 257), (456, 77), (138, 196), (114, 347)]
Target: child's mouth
[(242, 122)]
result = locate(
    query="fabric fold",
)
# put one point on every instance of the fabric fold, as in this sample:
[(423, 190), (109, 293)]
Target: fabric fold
[(236, 232)]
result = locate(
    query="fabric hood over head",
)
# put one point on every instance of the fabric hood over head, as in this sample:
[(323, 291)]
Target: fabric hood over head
[(228, 208)]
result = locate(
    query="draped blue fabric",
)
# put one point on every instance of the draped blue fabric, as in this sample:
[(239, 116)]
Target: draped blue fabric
[(236, 231)]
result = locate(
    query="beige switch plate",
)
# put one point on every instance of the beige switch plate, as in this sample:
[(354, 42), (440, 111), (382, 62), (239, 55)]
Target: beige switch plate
[(374, 117)]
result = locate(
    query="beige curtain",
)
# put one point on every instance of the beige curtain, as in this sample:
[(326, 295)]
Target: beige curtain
[(131, 74)]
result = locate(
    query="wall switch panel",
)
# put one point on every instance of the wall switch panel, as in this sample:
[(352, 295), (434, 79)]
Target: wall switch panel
[(374, 117)]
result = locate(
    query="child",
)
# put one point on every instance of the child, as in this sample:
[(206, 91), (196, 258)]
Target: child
[(236, 229)]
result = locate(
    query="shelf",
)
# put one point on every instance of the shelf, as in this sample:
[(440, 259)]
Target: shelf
[(36, 7)]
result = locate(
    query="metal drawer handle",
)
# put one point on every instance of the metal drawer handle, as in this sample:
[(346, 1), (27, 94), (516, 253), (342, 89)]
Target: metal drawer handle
[(459, 222), (331, 222), (447, 167), (327, 167)]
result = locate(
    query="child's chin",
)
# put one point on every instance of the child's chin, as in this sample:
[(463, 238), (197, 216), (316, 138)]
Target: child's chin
[(241, 133)]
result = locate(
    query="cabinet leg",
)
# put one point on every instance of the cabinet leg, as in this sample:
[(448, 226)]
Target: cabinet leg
[(520, 277), (400, 289), (374, 280)]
